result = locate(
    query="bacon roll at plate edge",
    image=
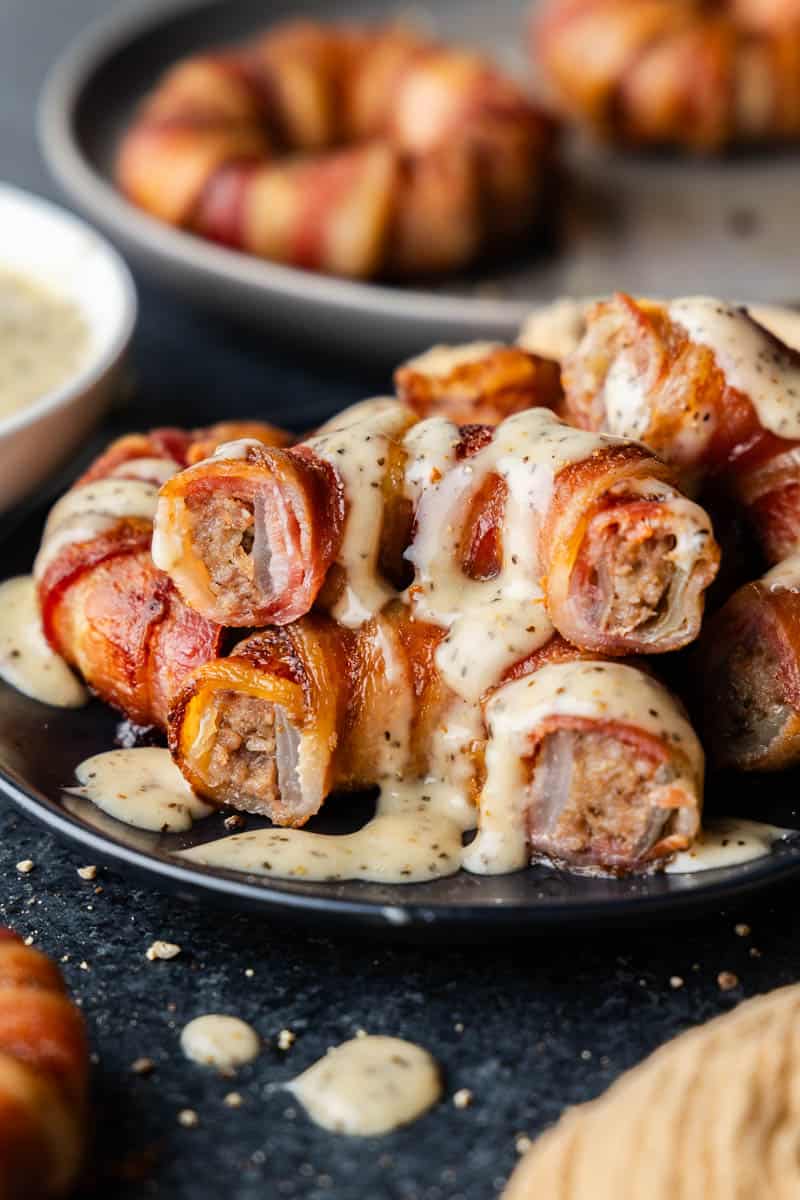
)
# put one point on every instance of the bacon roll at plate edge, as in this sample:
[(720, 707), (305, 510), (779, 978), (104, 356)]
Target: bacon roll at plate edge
[(611, 780), (105, 608), (748, 664)]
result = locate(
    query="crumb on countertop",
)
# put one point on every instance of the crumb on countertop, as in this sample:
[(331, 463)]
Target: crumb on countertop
[(522, 1143), (676, 981), (25, 866), (286, 1039), (188, 1118), (89, 872), (462, 1098), (726, 981), (143, 1066), (162, 950), (233, 1100), (742, 930)]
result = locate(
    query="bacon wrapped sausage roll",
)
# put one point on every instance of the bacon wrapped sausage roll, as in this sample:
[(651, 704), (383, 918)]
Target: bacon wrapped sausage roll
[(748, 664), (346, 150), (105, 607), (708, 389), (588, 762), (674, 72), (43, 1077), (522, 525), (609, 775)]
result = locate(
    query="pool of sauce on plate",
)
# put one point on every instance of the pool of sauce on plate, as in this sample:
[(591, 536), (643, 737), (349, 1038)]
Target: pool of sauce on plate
[(27, 661), (368, 1086), (141, 787), (43, 341), (728, 842)]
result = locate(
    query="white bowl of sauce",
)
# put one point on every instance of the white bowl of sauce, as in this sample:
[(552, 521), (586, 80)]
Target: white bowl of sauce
[(67, 311)]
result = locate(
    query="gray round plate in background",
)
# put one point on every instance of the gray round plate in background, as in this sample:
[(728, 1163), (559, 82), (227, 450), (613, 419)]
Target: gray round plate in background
[(656, 225)]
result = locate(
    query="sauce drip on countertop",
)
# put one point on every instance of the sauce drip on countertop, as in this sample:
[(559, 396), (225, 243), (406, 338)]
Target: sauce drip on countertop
[(369, 1086)]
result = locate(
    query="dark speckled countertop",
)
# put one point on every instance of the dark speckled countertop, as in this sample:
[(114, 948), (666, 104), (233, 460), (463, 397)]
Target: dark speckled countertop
[(528, 1026)]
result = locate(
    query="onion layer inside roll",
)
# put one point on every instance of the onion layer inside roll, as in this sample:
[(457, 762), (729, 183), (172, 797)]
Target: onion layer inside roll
[(607, 797)]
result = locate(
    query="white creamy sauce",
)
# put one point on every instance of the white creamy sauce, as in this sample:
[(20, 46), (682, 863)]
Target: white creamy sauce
[(439, 361), (555, 330), (151, 470), (407, 847), (141, 787), (726, 842), (219, 1041), (27, 661), (44, 340), (85, 512), (785, 576), (493, 623), (390, 675), (600, 691), (369, 1086), (749, 359), (783, 322), (357, 444)]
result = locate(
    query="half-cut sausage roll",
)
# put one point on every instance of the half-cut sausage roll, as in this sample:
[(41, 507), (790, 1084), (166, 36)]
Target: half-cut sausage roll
[(588, 762), (105, 607)]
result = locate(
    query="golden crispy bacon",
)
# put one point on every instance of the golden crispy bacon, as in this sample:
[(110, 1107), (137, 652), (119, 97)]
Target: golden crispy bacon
[(105, 607), (296, 713), (708, 389), (748, 665), (532, 517), (699, 75), (480, 383), (347, 150), (43, 1077)]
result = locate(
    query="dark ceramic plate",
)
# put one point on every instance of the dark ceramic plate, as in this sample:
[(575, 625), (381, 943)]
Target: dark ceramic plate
[(649, 225), (40, 747)]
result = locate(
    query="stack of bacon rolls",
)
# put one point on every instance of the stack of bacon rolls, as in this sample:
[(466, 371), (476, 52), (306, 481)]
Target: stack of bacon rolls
[(714, 393), (405, 598)]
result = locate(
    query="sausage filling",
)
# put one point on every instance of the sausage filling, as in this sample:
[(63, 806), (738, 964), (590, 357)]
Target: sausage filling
[(595, 799), (253, 760), (222, 531)]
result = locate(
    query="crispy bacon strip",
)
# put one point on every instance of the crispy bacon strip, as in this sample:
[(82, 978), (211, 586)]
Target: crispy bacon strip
[(674, 72), (105, 607), (639, 372), (43, 1077), (344, 149), (298, 712), (480, 383), (748, 665)]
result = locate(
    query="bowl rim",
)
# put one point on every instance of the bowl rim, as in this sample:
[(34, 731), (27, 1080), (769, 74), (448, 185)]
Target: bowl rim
[(101, 362), (90, 188)]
